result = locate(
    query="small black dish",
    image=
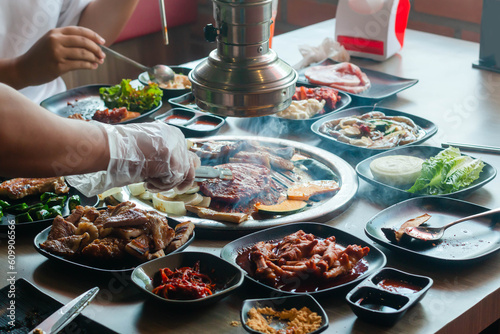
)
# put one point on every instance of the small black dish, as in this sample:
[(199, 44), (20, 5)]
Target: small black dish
[(284, 303), (225, 275), (386, 295), (427, 128), (192, 123), (186, 101), (382, 86), (111, 267), (86, 100), (39, 224), (168, 92), (371, 262), (463, 243), (33, 306), (424, 152)]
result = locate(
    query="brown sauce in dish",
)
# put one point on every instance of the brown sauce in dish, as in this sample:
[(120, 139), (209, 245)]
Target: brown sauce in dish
[(202, 125), (177, 119), (305, 284), (398, 286)]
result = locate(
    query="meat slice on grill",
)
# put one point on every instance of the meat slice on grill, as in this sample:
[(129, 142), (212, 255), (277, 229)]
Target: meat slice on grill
[(21, 187), (248, 181), (264, 158)]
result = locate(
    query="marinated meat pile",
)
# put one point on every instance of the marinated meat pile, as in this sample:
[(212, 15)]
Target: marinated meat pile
[(20, 187), (343, 76), (116, 233), (301, 255)]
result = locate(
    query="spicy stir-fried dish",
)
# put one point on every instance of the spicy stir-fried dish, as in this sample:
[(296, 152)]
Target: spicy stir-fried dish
[(183, 283), (117, 233), (373, 130), (302, 262)]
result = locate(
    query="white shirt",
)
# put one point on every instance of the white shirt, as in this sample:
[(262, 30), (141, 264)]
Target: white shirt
[(23, 22)]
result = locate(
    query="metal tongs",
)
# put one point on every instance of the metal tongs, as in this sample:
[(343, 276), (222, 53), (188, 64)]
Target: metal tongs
[(206, 172)]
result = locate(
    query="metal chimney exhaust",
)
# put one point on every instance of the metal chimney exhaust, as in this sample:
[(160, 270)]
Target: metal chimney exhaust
[(243, 77)]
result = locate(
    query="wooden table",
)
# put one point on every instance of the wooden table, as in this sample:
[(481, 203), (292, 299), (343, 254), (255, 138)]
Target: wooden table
[(462, 101)]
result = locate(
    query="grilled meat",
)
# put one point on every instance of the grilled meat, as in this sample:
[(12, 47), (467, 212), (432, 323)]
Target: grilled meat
[(66, 246), (105, 249), (232, 217), (248, 181), (263, 158), (182, 233), (159, 230), (61, 229), (20, 187)]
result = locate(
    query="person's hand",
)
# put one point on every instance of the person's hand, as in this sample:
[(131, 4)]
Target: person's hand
[(154, 152), (58, 51)]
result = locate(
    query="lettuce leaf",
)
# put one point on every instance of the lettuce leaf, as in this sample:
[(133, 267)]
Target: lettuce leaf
[(447, 172), (124, 95)]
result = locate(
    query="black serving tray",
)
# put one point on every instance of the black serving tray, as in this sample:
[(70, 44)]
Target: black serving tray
[(463, 243), (111, 267), (383, 85), (424, 152), (373, 261), (86, 100), (284, 303), (186, 120), (32, 306), (427, 128), (373, 303)]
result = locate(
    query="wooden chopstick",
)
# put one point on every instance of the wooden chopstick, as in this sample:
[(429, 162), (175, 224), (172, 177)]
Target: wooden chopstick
[(164, 21), (473, 147)]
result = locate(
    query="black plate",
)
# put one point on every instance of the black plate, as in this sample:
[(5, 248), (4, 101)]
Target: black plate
[(185, 101), (85, 100), (30, 200), (33, 306), (225, 275), (284, 303), (168, 93), (374, 260), (428, 129), (383, 85), (113, 267), (192, 117), (466, 241), (371, 302), (424, 152)]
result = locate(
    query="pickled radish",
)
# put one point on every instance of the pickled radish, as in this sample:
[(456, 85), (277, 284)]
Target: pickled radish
[(396, 170)]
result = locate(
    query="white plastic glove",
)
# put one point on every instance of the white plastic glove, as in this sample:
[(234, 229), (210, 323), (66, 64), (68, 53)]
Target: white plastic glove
[(154, 152), (329, 48)]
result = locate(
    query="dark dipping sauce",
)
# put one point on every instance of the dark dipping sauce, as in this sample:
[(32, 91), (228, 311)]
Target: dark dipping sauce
[(398, 286), (308, 284), (177, 119), (202, 126)]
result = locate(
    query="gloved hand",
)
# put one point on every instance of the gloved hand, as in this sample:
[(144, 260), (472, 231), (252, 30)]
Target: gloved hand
[(152, 152)]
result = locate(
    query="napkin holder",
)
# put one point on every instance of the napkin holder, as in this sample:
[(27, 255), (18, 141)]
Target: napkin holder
[(489, 48), (372, 29)]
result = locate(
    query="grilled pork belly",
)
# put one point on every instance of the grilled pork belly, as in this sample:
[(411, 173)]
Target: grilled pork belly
[(263, 158), (182, 233), (105, 249), (66, 246), (20, 187), (61, 229)]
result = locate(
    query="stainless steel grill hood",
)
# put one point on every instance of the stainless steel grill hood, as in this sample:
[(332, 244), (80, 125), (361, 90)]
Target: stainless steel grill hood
[(243, 77)]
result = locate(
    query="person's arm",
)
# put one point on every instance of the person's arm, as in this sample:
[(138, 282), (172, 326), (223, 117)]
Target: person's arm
[(37, 143), (60, 50), (107, 17)]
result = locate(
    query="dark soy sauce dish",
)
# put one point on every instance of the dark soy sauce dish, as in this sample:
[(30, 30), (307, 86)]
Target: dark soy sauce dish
[(386, 295), (192, 123)]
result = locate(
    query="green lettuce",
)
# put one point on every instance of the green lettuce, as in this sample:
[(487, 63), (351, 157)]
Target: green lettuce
[(124, 95), (447, 172)]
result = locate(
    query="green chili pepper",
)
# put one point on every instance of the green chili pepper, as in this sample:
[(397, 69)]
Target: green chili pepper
[(1, 213), (55, 211), (18, 208), (47, 196), (59, 200), (23, 218), (42, 214), (4, 204), (73, 202), (35, 208)]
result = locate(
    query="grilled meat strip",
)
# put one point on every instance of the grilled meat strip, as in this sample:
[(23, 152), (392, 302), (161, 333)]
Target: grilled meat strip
[(20, 187), (264, 158), (182, 233)]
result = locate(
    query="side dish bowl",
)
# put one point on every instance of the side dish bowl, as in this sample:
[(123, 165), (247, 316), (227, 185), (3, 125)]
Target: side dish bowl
[(225, 275), (168, 92)]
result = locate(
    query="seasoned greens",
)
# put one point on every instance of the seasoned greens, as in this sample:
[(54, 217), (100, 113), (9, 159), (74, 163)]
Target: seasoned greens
[(124, 95), (447, 172)]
